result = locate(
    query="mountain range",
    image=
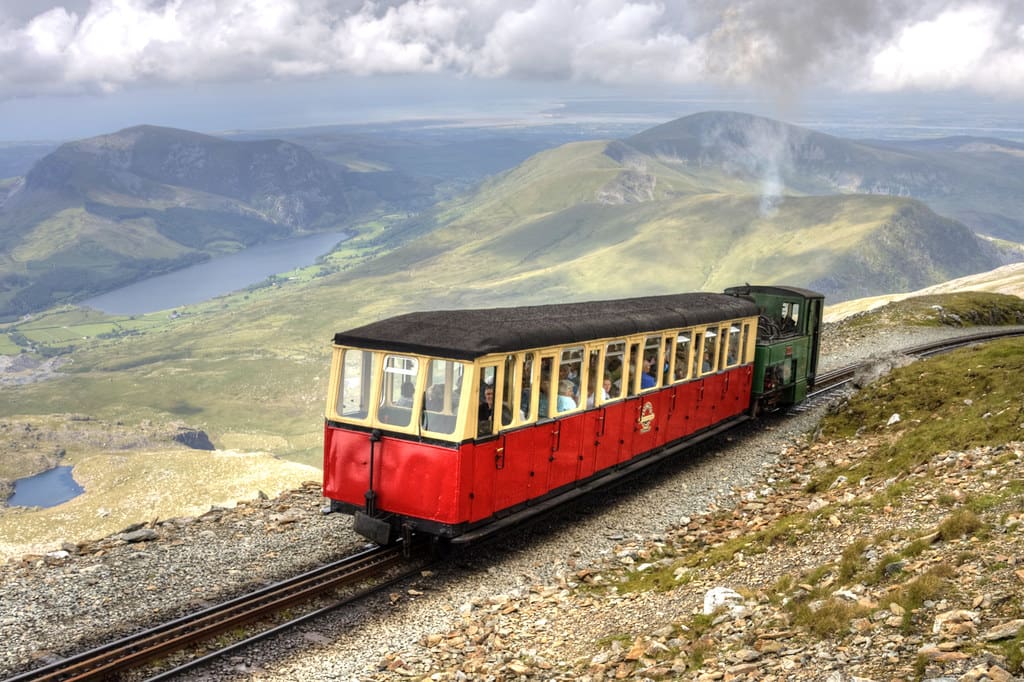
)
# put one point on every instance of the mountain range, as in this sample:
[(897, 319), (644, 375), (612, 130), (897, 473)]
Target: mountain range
[(701, 202)]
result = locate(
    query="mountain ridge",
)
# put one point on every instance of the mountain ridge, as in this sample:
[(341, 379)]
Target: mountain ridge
[(977, 181), (600, 205), (101, 212)]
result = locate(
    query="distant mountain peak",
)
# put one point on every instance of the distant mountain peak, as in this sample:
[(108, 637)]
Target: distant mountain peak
[(739, 142)]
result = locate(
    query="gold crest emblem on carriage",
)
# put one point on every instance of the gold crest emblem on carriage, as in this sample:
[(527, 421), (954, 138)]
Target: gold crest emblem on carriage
[(646, 417)]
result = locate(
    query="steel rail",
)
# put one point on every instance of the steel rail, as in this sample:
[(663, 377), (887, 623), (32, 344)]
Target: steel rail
[(280, 628), (136, 649), (833, 379)]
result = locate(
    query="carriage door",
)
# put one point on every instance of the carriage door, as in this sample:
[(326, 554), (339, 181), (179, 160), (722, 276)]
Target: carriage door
[(677, 423), (703, 369), (649, 410), (594, 411), (608, 435), (563, 447), (513, 469)]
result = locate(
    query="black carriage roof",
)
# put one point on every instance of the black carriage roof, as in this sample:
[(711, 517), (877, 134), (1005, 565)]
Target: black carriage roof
[(469, 334)]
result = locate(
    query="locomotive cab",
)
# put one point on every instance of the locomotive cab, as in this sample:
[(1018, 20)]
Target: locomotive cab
[(788, 340)]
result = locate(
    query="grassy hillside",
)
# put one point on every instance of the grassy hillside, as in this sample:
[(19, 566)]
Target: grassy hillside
[(583, 221), (1006, 280), (575, 223)]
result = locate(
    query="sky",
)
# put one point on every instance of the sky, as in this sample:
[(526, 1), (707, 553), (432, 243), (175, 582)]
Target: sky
[(73, 68)]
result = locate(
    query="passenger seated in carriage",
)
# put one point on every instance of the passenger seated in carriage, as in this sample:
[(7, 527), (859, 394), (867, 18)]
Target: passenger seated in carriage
[(485, 413), (566, 389), (647, 379)]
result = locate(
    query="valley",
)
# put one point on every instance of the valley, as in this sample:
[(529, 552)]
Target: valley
[(664, 211)]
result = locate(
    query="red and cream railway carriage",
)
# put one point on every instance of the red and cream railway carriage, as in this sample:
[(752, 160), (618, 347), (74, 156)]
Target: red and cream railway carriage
[(453, 423)]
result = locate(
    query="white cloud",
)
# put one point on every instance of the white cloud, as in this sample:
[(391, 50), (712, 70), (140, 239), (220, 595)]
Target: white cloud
[(957, 48), (107, 45)]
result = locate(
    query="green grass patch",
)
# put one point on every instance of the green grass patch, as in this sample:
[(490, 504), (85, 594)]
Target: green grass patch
[(853, 561), (653, 580), (984, 502), (916, 547), (697, 652), (624, 639), (930, 586), (786, 529), (1013, 651), (892, 494), (960, 309), (961, 523), (963, 399), (965, 309), (828, 618)]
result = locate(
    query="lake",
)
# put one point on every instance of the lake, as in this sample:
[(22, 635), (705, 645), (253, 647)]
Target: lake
[(47, 489), (215, 277)]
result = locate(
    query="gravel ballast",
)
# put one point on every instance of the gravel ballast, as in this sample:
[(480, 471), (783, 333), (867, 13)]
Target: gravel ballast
[(86, 593)]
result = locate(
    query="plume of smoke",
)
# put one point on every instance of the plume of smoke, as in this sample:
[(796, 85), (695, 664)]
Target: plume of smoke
[(754, 147)]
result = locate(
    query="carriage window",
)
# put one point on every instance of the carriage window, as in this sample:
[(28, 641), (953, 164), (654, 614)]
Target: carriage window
[(509, 390), (630, 373), (546, 401), (682, 356), (354, 387), (649, 363), (614, 368), (594, 386), (733, 354), (746, 339), (486, 400), (526, 394), (698, 353), (398, 386), (707, 364), (443, 395), (667, 360), (567, 387)]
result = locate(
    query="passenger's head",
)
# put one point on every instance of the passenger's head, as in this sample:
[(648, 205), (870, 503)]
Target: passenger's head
[(565, 387)]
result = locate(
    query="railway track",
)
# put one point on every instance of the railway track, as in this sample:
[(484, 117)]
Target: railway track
[(159, 642), (833, 379), (163, 641)]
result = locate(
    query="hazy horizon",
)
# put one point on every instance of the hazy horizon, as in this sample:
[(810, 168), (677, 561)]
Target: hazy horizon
[(79, 68), (863, 117)]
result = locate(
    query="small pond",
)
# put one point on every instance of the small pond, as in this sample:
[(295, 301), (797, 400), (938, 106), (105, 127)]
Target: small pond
[(47, 489)]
